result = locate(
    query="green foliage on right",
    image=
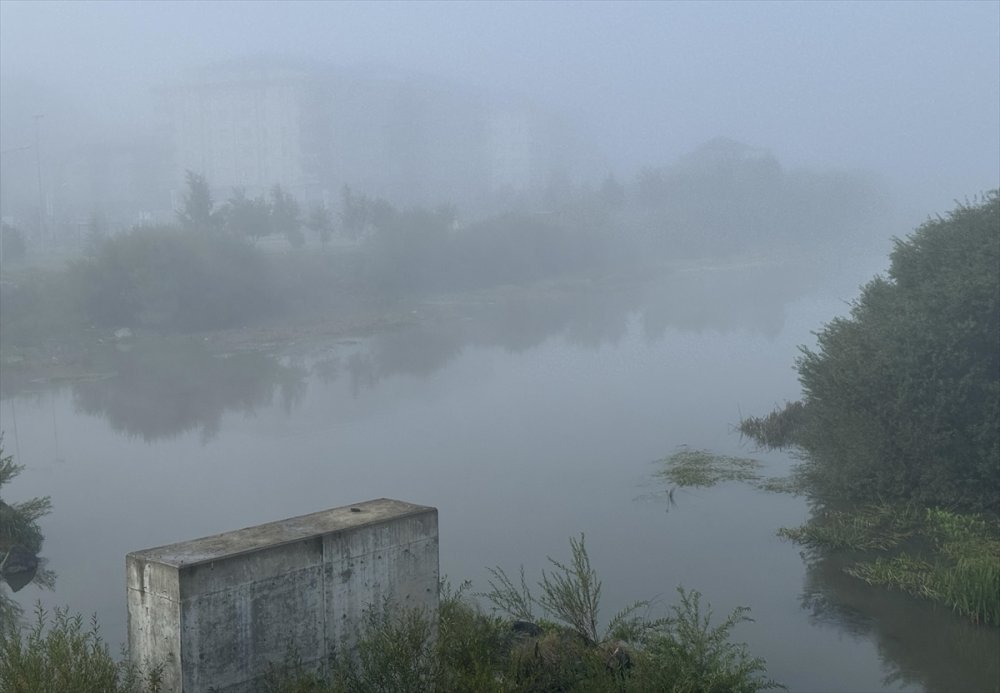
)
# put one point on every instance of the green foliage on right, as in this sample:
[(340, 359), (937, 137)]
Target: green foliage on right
[(946, 557), (902, 399)]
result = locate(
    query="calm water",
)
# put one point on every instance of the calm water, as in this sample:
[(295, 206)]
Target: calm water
[(524, 424)]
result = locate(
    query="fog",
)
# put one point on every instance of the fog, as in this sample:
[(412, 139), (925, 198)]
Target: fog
[(905, 91), (259, 259)]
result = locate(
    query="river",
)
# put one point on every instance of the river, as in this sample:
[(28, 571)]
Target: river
[(525, 423)]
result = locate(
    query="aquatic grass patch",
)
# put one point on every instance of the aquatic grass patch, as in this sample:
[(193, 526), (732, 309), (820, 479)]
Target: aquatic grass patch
[(869, 528), (970, 586), (930, 553), (793, 484), (700, 468), (778, 429)]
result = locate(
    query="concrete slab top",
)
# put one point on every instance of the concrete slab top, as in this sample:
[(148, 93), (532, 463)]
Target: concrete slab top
[(241, 541)]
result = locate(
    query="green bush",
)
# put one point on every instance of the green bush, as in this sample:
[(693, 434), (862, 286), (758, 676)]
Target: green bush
[(902, 398), (59, 655), (164, 278), (691, 655)]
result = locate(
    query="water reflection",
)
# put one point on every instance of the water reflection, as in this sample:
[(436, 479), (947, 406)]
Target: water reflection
[(920, 643), (20, 545), (723, 299), (162, 387), (160, 390)]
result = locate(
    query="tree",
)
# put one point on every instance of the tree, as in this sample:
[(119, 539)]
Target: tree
[(247, 217), (903, 397), (97, 233), (320, 221), (12, 247), (286, 216), (198, 214), (20, 541)]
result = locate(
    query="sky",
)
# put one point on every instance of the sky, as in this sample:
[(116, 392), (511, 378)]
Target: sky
[(907, 91)]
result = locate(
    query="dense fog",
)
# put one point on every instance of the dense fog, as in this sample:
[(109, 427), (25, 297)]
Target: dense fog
[(713, 285), (404, 93)]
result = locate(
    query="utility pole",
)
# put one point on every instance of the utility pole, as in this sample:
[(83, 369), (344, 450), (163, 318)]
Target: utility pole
[(38, 169)]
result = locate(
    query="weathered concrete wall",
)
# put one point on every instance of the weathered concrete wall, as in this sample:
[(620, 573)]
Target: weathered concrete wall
[(215, 611)]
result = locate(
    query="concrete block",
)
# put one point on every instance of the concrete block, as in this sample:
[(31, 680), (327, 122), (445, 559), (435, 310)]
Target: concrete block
[(215, 611)]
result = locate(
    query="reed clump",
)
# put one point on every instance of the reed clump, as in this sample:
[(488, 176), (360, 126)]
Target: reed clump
[(704, 469), (779, 429), (931, 553)]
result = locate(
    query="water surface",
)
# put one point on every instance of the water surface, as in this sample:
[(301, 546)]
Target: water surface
[(524, 424)]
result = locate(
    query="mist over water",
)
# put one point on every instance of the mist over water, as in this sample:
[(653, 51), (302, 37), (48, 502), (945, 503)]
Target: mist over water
[(261, 259), (523, 431)]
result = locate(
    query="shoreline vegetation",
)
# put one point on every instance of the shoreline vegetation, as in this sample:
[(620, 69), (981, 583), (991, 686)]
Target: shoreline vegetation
[(463, 647), (899, 425), (234, 270)]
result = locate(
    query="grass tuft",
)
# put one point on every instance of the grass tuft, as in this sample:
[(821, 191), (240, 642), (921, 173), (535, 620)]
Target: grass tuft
[(701, 468), (59, 654), (949, 558)]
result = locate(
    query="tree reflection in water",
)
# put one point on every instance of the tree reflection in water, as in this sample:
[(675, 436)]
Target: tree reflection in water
[(910, 634), (164, 388), (20, 543)]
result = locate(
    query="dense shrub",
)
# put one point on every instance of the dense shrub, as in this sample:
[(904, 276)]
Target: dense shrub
[(57, 654), (903, 397), (170, 279)]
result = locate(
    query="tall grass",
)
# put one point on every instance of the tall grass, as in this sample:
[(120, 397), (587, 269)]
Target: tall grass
[(460, 649), (931, 553), (57, 655), (776, 430)]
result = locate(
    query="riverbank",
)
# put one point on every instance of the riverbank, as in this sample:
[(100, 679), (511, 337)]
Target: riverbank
[(356, 314)]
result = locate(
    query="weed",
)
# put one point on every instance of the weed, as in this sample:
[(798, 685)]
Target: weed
[(702, 468), (777, 429), (958, 563), (59, 655), (689, 654)]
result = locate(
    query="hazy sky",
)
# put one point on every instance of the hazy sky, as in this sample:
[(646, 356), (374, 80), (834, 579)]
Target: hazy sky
[(907, 90)]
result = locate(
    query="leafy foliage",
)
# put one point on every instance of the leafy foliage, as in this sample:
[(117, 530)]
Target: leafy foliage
[(690, 654), (932, 553), (12, 245), (903, 397), (164, 278), (320, 222), (571, 594), (777, 429), (59, 655), (286, 216), (247, 217), (198, 211), (19, 528)]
